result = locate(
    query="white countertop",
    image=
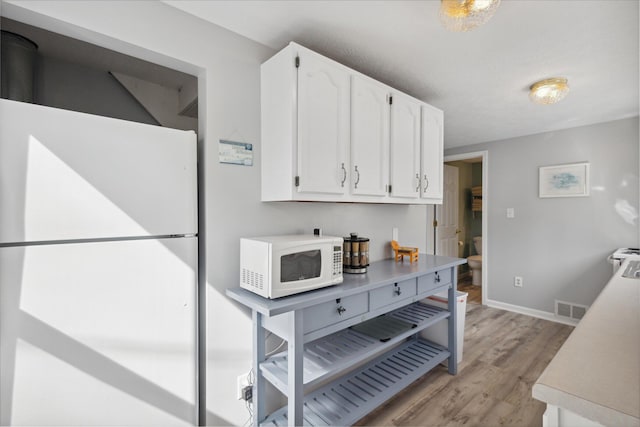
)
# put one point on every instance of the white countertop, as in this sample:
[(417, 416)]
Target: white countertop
[(596, 373)]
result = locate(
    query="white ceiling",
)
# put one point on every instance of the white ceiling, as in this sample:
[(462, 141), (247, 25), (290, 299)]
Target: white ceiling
[(480, 78)]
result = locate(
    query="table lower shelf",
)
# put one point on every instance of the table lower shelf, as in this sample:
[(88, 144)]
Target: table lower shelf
[(329, 355), (349, 398)]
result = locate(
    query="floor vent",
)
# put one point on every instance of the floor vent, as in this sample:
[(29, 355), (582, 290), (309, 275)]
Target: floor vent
[(570, 310)]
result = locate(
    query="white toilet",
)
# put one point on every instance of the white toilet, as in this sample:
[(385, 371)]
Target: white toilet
[(475, 262)]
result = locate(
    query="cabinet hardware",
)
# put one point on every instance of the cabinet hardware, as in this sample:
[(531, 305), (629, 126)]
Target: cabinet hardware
[(435, 222), (357, 177), (344, 175), (426, 183), (297, 181), (390, 100), (297, 62), (341, 310), (418, 184), (397, 290), (437, 278)]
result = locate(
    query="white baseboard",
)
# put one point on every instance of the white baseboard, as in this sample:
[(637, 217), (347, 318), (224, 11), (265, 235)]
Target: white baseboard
[(546, 315)]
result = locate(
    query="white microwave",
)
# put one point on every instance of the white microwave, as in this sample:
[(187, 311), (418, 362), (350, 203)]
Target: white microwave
[(277, 266)]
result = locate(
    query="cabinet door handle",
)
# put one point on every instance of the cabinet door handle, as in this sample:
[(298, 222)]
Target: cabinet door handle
[(426, 183), (357, 177), (397, 290), (344, 175), (418, 184), (437, 278), (341, 310)]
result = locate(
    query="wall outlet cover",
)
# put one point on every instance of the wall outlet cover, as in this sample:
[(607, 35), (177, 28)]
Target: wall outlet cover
[(242, 383)]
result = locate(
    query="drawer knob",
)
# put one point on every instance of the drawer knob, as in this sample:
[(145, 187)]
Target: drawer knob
[(437, 278), (341, 310)]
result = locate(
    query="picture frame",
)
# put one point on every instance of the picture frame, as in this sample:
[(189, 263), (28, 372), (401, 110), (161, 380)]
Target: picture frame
[(568, 180)]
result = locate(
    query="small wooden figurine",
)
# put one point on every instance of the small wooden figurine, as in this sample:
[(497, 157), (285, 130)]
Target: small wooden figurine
[(401, 251)]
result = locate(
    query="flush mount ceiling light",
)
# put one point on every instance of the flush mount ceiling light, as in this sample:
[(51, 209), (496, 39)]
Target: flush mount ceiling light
[(465, 15), (549, 91)]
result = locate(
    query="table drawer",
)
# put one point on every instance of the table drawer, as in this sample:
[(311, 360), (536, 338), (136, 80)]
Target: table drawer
[(334, 311), (433, 280), (392, 293)]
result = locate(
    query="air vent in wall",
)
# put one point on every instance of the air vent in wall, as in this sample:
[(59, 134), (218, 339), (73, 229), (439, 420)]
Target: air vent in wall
[(570, 310)]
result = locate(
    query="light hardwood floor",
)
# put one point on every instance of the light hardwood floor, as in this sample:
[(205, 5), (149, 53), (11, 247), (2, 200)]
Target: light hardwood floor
[(475, 292), (503, 355)]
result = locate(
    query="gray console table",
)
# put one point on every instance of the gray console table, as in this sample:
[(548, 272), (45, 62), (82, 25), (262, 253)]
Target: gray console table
[(321, 344)]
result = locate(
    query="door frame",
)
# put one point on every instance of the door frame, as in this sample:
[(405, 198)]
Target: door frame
[(485, 221)]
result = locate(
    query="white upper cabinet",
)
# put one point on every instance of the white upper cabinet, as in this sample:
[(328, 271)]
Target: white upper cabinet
[(330, 133), (405, 147), (369, 137), (432, 152), (323, 125)]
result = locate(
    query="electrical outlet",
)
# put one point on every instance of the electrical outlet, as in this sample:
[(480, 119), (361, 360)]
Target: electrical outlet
[(247, 393), (242, 384), (517, 281), (394, 233)]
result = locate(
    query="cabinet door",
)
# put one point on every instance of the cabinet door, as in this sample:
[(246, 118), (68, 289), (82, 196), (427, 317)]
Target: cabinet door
[(405, 147), (432, 151), (370, 115), (323, 125)]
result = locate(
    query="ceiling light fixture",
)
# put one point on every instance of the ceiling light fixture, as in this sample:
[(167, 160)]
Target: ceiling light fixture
[(549, 91), (465, 15)]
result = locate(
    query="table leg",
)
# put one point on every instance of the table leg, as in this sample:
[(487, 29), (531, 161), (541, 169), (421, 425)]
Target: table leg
[(295, 360), (453, 321), (258, 357)]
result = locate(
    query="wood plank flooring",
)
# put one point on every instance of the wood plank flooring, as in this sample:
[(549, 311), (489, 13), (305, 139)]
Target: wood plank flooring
[(503, 355), (475, 292)]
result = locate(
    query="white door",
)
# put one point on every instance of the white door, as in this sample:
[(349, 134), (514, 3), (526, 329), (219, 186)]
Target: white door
[(323, 125), (432, 150), (447, 215), (369, 137), (405, 147), (66, 175)]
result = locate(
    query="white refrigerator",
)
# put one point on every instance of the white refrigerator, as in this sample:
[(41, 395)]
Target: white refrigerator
[(98, 270)]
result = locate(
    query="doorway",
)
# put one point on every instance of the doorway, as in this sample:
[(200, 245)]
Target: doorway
[(459, 225)]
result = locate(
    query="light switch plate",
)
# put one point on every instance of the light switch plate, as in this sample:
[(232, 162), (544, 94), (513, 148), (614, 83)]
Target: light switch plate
[(511, 213)]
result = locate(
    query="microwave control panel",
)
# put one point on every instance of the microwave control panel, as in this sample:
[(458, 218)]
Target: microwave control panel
[(337, 261)]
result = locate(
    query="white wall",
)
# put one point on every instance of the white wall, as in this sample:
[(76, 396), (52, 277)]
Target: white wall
[(229, 80), (560, 245)]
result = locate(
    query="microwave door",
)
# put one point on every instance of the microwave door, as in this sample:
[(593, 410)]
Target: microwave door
[(301, 266)]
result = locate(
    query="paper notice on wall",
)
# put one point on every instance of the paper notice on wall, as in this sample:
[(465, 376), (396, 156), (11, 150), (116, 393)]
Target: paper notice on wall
[(235, 153)]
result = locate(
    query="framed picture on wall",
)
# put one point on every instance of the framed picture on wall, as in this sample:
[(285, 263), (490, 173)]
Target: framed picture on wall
[(570, 180)]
